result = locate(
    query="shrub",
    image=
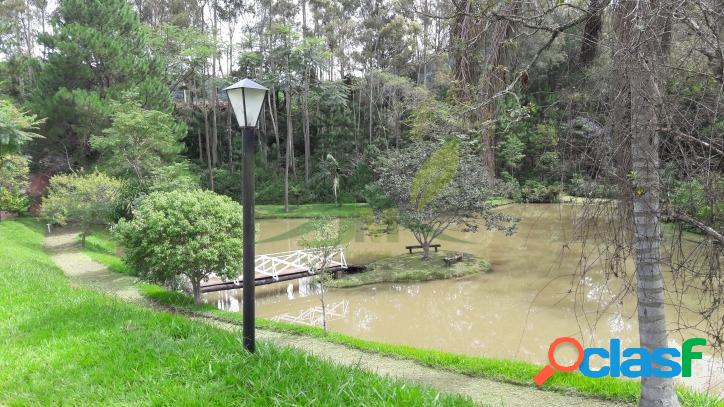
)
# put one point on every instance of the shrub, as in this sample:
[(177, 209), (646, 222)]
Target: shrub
[(191, 234), (14, 184), (587, 188), (700, 201), (537, 192), (88, 200), (509, 187)]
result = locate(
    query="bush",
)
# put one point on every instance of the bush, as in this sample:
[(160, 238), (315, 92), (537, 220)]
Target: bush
[(509, 187), (700, 201), (191, 234), (587, 188), (88, 200), (14, 184), (537, 192)]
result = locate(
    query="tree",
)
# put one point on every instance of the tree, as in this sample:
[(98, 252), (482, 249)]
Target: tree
[(13, 183), (435, 187), (98, 51), (140, 144), (16, 127), (322, 243), (194, 234), (87, 200), (638, 31)]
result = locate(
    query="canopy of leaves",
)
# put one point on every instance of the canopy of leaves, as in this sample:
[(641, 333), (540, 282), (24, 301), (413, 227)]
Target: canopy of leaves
[(97, 51), (139, 143), (435, 187), (184, 233), (435, 174), (16, 127), (13, 183), (89, 199)]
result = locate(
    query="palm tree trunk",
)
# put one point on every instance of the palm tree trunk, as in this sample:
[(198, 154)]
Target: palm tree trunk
[(639, 53), (647, 241)]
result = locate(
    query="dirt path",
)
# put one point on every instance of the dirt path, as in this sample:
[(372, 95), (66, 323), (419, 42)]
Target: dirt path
[(64, 250), (81, 269)]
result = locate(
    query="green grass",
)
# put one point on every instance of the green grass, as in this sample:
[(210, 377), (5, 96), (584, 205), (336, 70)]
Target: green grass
[(348, 210), (510, 371), (411, 268), (100, 247), (62, 345)]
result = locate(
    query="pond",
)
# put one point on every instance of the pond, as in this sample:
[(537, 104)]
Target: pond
[(530, 298)]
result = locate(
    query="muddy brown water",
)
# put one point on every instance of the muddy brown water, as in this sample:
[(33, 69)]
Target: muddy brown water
[(515, 312)]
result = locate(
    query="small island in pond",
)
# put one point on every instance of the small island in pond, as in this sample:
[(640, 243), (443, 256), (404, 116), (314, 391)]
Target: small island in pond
[(412, 268)]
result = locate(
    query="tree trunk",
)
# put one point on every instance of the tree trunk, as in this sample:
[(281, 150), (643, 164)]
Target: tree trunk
[(638, 50), (196, 288), (655, 391), (290, 146), (324, 304), (425, 250), (208, 147), (305, 102), (305, 126), (370, 110), (273, 117), (496, 62), (214, 101), (591, 32)]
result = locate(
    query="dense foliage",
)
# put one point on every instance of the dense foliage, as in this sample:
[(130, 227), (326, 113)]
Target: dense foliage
[(16, 127), (97, 52), (14, 183), (434, 188), (144, 146), (191, 234), (87, 200)]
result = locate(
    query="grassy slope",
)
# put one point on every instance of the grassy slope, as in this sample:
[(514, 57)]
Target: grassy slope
[(411, 267), (100, 247), (74, 346), (511, 371)]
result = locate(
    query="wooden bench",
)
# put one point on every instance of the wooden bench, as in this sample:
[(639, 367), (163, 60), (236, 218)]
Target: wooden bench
[(452, 259), (410, 248)]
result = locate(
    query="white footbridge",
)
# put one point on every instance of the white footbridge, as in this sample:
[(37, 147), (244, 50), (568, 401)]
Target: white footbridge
[(274, 267)]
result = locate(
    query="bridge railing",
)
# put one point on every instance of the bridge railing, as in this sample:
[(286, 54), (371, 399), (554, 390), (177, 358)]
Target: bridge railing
[(276, 264)]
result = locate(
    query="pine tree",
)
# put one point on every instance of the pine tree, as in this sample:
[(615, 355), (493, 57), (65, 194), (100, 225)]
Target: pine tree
[(100, 51)]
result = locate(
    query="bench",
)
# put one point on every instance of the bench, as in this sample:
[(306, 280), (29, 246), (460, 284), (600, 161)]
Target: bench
[(410, 248), (452, 259)]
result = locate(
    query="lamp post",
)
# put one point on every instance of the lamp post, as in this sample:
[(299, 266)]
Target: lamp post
[(246, 98)]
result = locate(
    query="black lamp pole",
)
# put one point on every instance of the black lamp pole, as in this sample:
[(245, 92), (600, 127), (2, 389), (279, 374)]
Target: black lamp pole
[(249, 273)]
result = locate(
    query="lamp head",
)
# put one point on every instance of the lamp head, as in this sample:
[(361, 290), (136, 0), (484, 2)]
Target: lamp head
[(246, 98)]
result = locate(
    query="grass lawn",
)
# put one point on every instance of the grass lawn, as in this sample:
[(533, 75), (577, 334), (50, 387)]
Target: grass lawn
[(73, 346), (100, 247), (511, 371), (411, 267), (348, 210)]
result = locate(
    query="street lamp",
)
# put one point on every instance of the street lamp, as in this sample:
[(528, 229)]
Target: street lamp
[(247, 97)]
